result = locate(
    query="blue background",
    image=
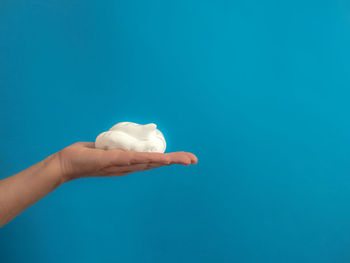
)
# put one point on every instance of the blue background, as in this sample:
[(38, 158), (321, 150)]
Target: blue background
[(259, 90)]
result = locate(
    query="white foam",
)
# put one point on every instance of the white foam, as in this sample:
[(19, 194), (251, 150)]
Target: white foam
[(131, 136)]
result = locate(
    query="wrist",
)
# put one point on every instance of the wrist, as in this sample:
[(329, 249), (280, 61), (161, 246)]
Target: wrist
[(54, 169)]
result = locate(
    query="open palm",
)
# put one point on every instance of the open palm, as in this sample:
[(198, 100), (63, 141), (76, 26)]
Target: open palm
[(82, 159)]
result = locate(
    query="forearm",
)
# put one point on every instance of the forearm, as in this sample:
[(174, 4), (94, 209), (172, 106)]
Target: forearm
[(21, 190), (78, 160)]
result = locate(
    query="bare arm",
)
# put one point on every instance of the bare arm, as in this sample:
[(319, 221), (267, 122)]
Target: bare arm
[(19, 191), (81, 159)]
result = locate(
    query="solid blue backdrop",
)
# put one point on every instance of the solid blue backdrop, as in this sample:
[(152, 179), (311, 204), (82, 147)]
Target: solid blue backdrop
[(258, 90)]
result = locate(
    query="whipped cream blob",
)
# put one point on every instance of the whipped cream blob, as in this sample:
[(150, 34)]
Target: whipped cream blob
[(131, 136)]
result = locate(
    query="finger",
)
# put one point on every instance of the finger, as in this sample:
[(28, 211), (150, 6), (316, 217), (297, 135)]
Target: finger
[(194, 159), (179, 158), (146, 157), (110, 171), (134, 167), (150, 166), (121, 158), (115, 170), (154, 165), (140, 167), (117, 157)]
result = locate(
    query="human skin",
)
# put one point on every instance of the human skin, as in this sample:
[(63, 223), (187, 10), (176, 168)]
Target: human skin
[(78, 160)]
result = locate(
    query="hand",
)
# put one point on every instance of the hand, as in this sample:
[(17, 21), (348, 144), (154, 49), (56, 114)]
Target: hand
[(82, 159)]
